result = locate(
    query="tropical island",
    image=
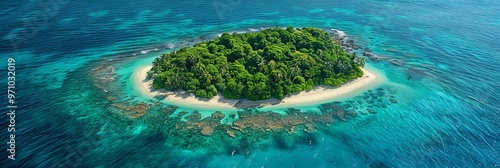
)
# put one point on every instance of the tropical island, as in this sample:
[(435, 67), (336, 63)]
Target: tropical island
[(272, 63), (204, 109)]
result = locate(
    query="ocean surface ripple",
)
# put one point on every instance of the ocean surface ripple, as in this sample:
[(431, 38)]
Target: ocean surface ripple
[(447, 116)]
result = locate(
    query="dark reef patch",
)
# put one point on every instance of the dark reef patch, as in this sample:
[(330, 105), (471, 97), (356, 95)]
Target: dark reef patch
[(251, 128)]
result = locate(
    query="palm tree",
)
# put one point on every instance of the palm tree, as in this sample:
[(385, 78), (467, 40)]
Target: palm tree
[(328, 65), (321, 55), (199, 68), (192, 59), (225, 69), (175, 81), (272, 64), (279, 75), (208, 77), (362, 63), (168, 82), (343, 67), (261, 62), (294, 71)]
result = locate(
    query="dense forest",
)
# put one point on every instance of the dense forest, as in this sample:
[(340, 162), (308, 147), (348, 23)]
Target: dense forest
[(257, 65)]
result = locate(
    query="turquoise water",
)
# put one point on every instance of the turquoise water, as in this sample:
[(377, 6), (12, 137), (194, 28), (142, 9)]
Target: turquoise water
[(447, 115)]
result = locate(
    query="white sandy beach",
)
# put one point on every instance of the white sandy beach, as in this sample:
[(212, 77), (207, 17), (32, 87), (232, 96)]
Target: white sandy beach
[(319, 94)]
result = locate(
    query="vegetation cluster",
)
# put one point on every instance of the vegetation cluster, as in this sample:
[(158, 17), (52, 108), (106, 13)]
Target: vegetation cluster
[(257, 65)]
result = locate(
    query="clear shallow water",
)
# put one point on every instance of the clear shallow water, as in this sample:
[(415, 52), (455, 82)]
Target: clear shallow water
[(447, 114)]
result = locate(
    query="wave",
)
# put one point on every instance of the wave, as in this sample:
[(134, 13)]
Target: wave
[(149, 50)]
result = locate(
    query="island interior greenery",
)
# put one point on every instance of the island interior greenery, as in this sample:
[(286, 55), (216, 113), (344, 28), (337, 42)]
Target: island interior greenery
[(257, 65)]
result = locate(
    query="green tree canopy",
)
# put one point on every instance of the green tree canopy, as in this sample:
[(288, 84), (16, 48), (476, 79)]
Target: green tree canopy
[(257, 65)]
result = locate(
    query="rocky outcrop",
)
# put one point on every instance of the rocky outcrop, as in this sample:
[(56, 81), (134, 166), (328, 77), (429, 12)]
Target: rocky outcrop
[(341, 38)]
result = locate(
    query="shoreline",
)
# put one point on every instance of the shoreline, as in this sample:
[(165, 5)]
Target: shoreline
[(318, 95)]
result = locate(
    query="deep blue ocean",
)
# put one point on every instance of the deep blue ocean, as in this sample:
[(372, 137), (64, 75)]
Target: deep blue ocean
[(448, 113)]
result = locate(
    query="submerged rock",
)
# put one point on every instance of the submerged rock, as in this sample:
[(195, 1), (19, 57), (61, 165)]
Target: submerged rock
[(371, 111), (391, 50), (111, 98), (207, 130), (230, 133), (293, 111), (217, 115), (292, 130), (132, 111), (393, 100), (368, 54), (346, 106), (182, 113), (194, 116), (309, 128), (352, 113), (340, 114), (396, 62), (380, 93), (374, 57)]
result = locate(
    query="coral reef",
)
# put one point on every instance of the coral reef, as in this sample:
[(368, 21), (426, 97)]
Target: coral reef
[(132, 111), (217, 115), (207, 130)]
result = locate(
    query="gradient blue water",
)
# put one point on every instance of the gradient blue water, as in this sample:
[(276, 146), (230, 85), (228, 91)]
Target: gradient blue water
[(448, 116)]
